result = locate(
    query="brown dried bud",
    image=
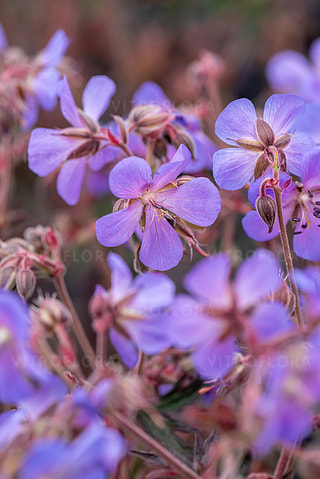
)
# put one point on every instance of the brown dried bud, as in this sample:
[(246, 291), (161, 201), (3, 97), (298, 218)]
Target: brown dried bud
[(184, 179), (149, 119), (183, 136), (120, 205), (251, 145), (283, 141), (261, 166), (49, 312), (90, 122), (25, 283), (264, 132), (267, 210), (122, 128), (8, 277)]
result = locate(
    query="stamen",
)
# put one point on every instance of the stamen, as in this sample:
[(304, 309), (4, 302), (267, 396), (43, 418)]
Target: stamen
[(310, 194), (304, 226), (298, 232), (317, 202)]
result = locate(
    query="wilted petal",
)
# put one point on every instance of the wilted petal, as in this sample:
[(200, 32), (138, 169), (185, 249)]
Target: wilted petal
[(270, 319), (161, 247), (67, 104), (151, 93), (70, 180), (97, 95), (128, 352), (282, 111), (55, 49), (237, 121), (233, 167), (121, 276), (130, 178), (48, 149), (300, 143), (116, 228), (209, 280), (287, 71), (256, 279), (169, 171), (197, 201), (307, 244)]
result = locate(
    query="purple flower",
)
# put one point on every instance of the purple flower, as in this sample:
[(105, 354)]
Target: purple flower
[(290, 72), (135, 309), (92, 454), (308, 282), (301, 203), (207, 322), (255, 139), (161, 202), (149, 93), (74, 147), (22, 378)]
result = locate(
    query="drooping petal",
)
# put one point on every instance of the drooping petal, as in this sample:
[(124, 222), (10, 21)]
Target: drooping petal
[(70, 180), (45, 87), (130, 178), (270, 319), (155, 291), (55, 49), (97, 95), (213, 359), (282, 111), (151, 93), (67, 104), (257, 229), (161, 247), (307, 244), (310, 169), (209, 280), (237, 121), (48, 149), (300, 143), (197, 201), (127, 350), (287, 71), (103, 156), (117, 228), (233, 167), (169, 171), (256, 279), (121, 276)]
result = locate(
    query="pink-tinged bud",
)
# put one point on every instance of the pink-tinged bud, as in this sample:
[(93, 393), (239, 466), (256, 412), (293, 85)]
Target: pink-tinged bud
[(98, 305), (50, 312), (260, 166), (283, 141), (149, 119), (120, 205), (267, 210), (184, 179), (25, 283), (122, 128), (264, 132), (8, 277)]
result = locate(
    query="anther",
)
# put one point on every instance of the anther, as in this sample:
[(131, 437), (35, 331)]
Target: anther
[(297, 232), (310, 194), (304, 226), (296, 220)]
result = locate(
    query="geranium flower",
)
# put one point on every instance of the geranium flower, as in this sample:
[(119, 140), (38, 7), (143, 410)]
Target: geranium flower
[(255, 139), (161, 201), (301, 204), (74, 147), (135, 310)]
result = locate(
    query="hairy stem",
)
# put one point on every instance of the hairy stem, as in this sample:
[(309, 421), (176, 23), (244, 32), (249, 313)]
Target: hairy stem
[(77, 326), (175, 463), (283, 463), (287, 255)]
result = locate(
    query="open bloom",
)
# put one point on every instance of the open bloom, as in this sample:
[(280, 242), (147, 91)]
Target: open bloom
[(289, 71), (134, 310), (301, 204), (161, 202), (256, 139), (74, 147)]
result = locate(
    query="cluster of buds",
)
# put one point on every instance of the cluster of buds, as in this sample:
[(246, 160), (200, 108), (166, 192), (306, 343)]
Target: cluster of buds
[(21, 260)]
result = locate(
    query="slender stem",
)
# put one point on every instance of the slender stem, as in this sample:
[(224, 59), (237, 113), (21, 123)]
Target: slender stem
[(77, 326), (178, 466), (150, 148), (282, 465), (5, 182), (139, 365), (101, 347), (287, 255)]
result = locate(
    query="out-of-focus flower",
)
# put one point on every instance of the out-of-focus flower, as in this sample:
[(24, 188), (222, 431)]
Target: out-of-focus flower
[(161, 202), (77, 146), (134, 310), (257, 139), (154, 115), (301, 204), (291, 72), (208, 322), (92, 454)]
